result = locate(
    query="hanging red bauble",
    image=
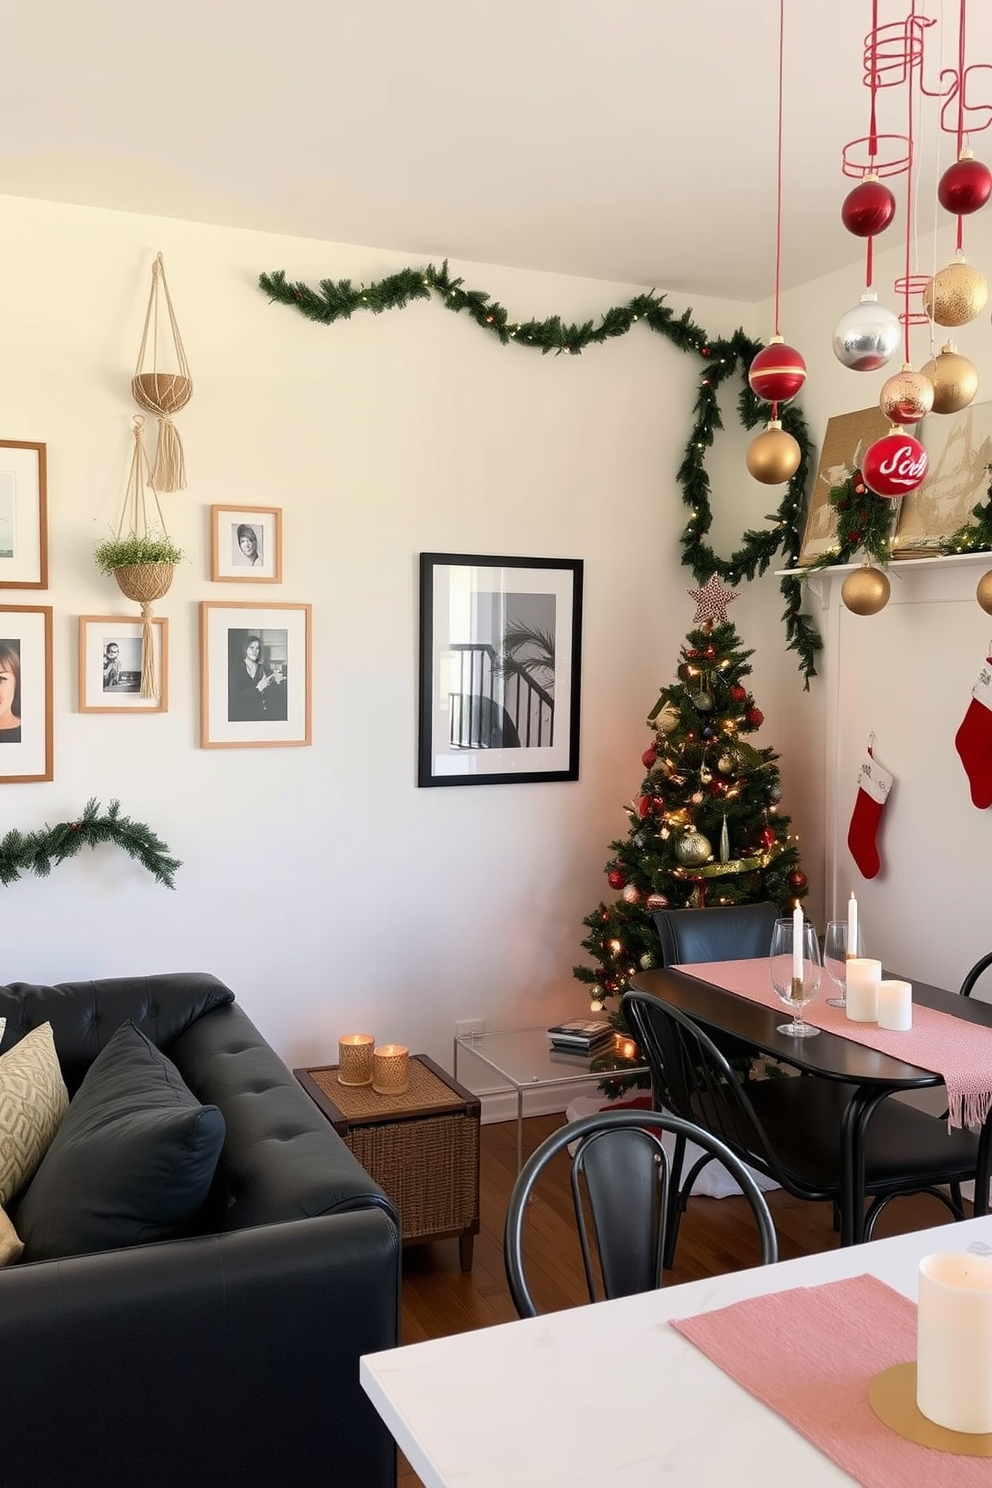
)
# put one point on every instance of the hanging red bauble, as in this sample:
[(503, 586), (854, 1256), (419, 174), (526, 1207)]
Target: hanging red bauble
[(797, 880), (754, 717), (738, 693), (655, 901), (648, 758), (777, 372), (965, 186), (645, 805), (868, 209), (768, 837), (616, 878), (894, 464)]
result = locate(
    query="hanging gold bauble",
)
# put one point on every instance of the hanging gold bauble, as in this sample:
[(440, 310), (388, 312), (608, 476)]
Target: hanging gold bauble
[(906, 397), (984, 592), (956, 294), (954, 378), (693, 849), (866, 590), (774, 456)]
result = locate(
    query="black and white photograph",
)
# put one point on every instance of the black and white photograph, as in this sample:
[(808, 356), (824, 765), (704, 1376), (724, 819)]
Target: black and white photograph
[(111, 653), (500, 651), (254, 675), (23, 516), (26, 752), (246, 544)]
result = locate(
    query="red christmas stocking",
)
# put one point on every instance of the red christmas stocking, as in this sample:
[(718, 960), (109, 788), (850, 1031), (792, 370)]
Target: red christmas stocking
[(973, 740), (874, 784)]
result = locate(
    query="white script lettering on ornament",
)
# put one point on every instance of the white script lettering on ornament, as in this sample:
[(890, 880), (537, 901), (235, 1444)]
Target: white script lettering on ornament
[(903, 468)]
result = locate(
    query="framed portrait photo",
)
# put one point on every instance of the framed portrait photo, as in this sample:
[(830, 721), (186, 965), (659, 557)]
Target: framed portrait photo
[(246, 544), (254, 675), (500, 659), (111, 653), (23, 516), (844, 444), (25, 693)]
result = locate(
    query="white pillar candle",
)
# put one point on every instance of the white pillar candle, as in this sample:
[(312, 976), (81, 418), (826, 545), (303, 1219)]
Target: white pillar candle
[(954, 1341), (797, 943), (852, 926), (895, 1005), (863, 977)]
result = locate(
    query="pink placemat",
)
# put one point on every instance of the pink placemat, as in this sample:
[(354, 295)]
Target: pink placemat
[(957, 1050), (810, 1354)]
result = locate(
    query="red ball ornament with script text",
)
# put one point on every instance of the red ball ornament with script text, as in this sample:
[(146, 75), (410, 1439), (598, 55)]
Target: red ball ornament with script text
[(894, 465)]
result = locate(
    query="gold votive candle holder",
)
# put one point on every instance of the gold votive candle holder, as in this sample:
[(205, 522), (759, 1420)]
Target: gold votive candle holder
[(390, 1069), (355, 1052)]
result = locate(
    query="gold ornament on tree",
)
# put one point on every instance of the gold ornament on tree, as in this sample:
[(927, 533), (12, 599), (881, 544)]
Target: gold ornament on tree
[(693, 849), (956, 294), (866, 590), (163, 392), (774, 456), (954, 378), (984, 592)]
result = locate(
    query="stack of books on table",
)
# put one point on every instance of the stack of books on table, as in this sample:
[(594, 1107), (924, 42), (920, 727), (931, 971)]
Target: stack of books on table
[(581, 1036)]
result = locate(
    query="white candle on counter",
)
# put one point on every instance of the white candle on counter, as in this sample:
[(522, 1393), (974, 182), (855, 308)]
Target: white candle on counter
[(954, 1341), (863, 977), (797, 943), (852, 926), (895, 1005)]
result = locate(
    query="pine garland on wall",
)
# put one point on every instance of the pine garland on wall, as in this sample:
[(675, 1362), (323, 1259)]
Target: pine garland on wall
[(720, 359), (37, 852)]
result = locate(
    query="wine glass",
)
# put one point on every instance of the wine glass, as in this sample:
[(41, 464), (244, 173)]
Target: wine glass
[(796, 991), (836, 950)]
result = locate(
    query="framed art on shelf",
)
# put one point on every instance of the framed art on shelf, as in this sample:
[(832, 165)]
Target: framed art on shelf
[(500, 657), (959, 450), (848, 436), (246, 544), (254, 675), (23, 515), (25, 693), (111, 650)]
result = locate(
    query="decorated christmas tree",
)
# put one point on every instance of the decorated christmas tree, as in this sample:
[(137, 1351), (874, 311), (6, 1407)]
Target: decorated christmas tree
[(705, 826)]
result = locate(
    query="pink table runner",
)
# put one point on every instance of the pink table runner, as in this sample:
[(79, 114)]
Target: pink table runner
[(810, 1355), (957, 1050)]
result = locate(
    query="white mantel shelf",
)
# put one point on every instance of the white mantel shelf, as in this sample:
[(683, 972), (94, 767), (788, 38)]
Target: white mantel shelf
[(896, 568)]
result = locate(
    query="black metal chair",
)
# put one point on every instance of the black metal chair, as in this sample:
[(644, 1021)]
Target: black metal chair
[(790, 1129), (980, 966), (622, 1171)]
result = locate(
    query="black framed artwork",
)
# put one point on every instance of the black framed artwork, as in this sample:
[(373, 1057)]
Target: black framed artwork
[(500, 660)]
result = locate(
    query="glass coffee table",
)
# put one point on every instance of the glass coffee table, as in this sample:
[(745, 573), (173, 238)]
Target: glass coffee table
[(525, 1061)]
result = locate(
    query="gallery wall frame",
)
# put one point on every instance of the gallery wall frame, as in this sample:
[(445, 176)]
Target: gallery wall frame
[(26, 751), (110, 657), (246, 544), (500, 669), (847, 437), (23, 515), (255, 675)]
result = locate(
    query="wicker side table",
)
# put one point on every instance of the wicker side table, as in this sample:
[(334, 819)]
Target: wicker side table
[(422, 1147)]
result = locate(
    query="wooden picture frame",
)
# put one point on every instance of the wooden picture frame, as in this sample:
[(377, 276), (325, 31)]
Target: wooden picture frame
[(246, 544), (959, 450), (255, 675), (110, 656), (500, 669), (26, 752), (23, 515), (847, 437)]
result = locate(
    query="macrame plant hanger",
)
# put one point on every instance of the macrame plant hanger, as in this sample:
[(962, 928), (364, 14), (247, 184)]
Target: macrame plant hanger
[(159, 392), (142, 582)]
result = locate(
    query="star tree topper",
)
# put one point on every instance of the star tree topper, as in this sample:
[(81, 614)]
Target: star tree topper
[(712, 601)]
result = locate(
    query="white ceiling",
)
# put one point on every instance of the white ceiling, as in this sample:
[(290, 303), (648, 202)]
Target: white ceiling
[(631, 140)]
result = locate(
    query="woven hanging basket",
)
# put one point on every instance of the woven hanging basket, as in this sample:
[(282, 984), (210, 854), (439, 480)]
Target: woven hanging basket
[(144, 582), (159, 392)]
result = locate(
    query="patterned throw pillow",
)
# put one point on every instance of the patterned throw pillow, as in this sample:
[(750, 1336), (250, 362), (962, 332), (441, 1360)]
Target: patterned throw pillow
[(33, 1100), (11, 1244)]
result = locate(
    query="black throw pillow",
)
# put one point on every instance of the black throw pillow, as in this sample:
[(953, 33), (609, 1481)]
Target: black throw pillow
[(132, 1161)]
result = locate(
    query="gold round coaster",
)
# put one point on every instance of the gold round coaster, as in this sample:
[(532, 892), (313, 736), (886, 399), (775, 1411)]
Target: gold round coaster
[(892, 1396)]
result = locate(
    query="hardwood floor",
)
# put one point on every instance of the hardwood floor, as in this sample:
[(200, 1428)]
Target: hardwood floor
[(716, 1235)]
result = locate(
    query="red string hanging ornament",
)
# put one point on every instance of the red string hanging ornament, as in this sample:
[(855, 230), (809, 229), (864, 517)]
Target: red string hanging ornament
[(778, 371)]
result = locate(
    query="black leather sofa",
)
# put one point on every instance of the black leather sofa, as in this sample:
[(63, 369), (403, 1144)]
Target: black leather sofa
[(229, 1355)]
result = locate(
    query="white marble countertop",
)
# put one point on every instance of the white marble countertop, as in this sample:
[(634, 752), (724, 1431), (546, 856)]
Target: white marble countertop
[(608, 1396)]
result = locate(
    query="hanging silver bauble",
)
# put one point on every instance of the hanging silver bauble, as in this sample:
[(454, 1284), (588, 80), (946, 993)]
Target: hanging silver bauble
[(867, 336)]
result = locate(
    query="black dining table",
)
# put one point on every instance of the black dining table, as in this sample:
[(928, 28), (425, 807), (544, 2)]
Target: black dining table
[(874, 1075)]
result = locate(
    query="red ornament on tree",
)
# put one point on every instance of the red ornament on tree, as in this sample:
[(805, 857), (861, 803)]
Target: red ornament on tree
[(797, 880), (648, 758), (644, 805), (738, 693), (965, 186), (777, 372), (768, 837), (616, 878), (655, 901), (868, 209), (894, 465), (754, 717)]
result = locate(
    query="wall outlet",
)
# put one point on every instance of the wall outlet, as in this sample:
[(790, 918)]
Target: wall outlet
[(466, 1027)]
